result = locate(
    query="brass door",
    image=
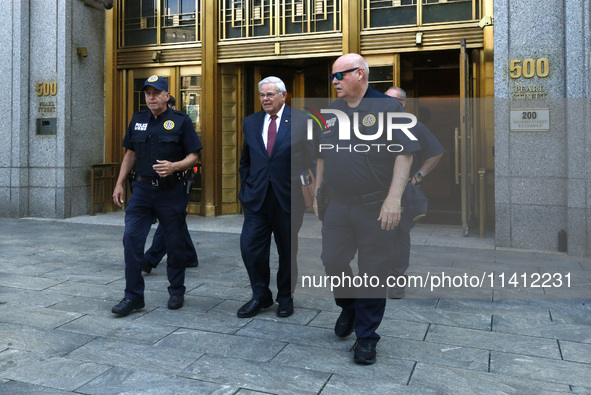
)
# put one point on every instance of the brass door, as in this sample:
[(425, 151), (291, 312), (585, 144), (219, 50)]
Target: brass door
[(188, 99), (184, 84), (465, 162)]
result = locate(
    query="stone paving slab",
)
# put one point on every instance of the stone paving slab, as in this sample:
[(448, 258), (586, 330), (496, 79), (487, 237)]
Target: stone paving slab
[(326, 360), (125, 354), (437, 316), (125, 381), (124, 328), (32, 298), (294, 334), (529, 326), (57, 334), (222, 344), (54, 342), (460, 381), (34, 316), (261, 376), (526, 345), (434, 353), (576, 352), (212, 321), (18, 387), (541, 369), (31, 283), (56, 372)]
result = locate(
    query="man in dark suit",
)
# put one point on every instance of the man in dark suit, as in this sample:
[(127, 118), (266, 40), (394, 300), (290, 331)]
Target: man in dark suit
[(268, 172)]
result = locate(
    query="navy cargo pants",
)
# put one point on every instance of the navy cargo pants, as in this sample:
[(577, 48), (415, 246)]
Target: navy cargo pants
[(349, 229), (168, 205)]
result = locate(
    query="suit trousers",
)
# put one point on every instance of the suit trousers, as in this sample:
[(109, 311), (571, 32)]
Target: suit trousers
[(169, 206), (255, 246)]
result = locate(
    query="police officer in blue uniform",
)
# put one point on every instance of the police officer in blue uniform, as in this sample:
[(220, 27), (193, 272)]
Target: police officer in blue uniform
[(157, 250), (365, 172), (161, 143), (424, 161)]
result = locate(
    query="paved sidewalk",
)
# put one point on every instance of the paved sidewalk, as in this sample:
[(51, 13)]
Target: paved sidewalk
[(60, 278)]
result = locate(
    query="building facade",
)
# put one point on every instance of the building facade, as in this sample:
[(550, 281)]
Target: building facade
[(469, 67)]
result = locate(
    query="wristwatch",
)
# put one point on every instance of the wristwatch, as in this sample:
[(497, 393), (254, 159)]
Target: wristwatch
[(419, 175)]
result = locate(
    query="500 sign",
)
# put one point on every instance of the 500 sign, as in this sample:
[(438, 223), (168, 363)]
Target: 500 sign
[(528, 68), (46, 88)]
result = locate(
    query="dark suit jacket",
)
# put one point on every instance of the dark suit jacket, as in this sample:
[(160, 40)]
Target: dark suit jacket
[(282, 168)]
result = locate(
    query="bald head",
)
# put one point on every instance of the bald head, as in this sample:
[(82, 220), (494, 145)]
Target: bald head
[(353, 72)]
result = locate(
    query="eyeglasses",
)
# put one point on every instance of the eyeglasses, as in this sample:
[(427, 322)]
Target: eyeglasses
[(267, 95), (339, 74)]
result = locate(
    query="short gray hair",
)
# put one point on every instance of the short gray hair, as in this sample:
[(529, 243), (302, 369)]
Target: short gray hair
[(402, 92), (279, 84)]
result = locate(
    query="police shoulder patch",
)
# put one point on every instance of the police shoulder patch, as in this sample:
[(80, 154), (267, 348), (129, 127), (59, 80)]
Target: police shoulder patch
[(153, 78), (369, 120), (168, 125)]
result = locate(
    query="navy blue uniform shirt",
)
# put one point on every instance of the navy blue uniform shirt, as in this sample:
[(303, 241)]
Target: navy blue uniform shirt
[(350, 165), (430, 146), (169, 136)]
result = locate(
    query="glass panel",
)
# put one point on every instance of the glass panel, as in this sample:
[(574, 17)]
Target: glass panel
[(435, 11), (191, 99), (139, 22), (309, 16), (258, 18), (190, 103), (381, 77), (178, 21), (391, 13), (246, 18)]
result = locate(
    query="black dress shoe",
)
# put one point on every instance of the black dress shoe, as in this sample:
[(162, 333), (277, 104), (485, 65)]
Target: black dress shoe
[(253, 307), (345, 323), (365, 352), (193, 264), (176, 302), (126, 306), (285, 308)]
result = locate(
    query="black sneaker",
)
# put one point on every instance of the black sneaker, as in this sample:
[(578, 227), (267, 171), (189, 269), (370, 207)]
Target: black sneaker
[(365, 352), (176, 302), (345, 323), (126, 306)]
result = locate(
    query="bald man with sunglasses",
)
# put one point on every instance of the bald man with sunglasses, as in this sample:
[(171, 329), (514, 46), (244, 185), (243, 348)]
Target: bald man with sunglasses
[(365, 188)]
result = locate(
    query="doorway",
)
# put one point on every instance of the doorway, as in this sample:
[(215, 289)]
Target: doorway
[(303, 78), (432, 84)]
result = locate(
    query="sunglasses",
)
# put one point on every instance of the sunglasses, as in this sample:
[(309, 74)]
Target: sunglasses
[(339, 74)]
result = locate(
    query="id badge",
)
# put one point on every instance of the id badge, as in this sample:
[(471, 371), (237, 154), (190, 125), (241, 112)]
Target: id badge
[(305, 178)]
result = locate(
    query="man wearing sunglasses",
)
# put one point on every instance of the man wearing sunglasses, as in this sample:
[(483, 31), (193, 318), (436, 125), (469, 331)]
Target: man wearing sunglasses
[(365, 182)]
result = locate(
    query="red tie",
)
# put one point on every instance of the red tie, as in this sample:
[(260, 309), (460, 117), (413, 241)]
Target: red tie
[(272, 133)]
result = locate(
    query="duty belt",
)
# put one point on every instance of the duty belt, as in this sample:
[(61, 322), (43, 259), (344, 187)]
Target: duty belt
[(162, 182), (365, 199)]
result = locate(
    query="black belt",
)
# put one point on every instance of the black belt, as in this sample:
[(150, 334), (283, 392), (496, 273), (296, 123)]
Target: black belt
[(365, 199), (163, 182)]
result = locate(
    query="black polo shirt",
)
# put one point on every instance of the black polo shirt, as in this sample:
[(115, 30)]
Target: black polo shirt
[(364, 162), (169, 136)]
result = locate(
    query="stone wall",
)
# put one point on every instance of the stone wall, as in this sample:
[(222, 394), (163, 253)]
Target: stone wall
[(48, 175), (542, 176)]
